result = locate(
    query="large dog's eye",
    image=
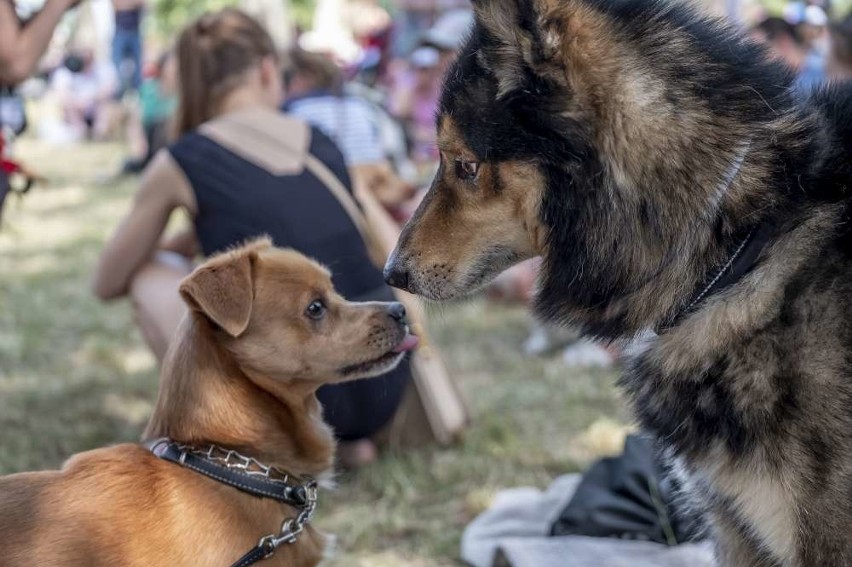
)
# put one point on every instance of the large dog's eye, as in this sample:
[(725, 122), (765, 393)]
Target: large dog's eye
[(466, 170), (316, 310)]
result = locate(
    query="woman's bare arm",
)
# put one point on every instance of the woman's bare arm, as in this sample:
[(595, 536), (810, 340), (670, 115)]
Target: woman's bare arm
[(163, 189), (22, 45)]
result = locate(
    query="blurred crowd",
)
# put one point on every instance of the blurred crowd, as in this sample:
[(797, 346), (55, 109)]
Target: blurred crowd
[(805, 38)]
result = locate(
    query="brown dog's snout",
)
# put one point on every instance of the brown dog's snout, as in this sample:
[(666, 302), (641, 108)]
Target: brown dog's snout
[(397, 312)]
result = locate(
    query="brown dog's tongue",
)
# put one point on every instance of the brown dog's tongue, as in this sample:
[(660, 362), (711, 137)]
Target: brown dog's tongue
[(408, 343)]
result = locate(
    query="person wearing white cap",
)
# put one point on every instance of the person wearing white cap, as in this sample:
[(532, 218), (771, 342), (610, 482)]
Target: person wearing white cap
[(429, 62), (450, 30)]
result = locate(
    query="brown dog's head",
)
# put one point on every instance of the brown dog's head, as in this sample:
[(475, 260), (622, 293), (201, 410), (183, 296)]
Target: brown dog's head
[(277, 313), (614, 139)]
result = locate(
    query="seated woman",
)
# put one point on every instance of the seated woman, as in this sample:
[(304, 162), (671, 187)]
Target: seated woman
[(241, 169)]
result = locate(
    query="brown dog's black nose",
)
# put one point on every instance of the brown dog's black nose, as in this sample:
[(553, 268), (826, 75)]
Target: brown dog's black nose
[(396, 276), (397, 311)]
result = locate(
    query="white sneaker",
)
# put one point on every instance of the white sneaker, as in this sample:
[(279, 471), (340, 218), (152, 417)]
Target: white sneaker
[(545, 338)]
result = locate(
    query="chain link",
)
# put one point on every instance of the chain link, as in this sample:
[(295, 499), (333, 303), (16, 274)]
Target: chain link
[(292, 527), (237, 461)]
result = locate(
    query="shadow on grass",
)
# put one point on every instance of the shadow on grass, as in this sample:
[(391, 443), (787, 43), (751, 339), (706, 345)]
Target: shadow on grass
[(42, 425)]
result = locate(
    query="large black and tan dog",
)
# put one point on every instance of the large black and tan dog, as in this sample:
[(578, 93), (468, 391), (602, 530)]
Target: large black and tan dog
[(664, 170)]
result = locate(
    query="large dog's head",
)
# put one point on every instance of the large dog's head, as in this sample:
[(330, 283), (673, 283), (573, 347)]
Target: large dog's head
[(616, 139), (278, 315)]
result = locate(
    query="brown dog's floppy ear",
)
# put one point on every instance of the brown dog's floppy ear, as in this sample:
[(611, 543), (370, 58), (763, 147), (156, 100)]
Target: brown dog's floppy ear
[(223, 288)]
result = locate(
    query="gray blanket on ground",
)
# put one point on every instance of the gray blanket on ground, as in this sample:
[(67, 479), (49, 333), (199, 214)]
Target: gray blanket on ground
[(514, 532)]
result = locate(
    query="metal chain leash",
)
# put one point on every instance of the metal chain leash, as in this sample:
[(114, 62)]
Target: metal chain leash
[(301, 497), (292, 527)]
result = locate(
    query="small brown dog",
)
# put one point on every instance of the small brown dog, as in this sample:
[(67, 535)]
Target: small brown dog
[(236, 408)]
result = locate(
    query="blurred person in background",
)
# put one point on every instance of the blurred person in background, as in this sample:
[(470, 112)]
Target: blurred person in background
[(157, 103), (796, 46), (367, 85), (417, 105), (241, 168), (84, 88), (127, 44), (814, 30), (416, 96), (22, 45), (783, 39), (127, 56), (373, 31), (413, 17), (315, 93), (840, 50)]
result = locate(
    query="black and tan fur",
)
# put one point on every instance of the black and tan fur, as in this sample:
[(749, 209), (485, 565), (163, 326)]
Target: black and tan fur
[(632, 144)]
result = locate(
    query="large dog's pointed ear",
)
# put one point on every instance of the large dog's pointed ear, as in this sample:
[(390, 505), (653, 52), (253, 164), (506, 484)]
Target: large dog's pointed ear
[(223, 288), (523, 38)]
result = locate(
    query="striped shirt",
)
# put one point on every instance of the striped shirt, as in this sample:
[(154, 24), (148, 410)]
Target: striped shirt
[(348, 121)]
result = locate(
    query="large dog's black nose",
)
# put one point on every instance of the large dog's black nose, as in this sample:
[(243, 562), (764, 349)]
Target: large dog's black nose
[(396, 276), (397, 311)]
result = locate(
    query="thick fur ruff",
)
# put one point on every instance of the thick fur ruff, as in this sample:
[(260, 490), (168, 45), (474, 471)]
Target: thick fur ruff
[(620, 121)]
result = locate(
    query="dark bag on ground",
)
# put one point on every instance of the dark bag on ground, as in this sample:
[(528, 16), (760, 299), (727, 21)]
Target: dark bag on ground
[(629, 497)]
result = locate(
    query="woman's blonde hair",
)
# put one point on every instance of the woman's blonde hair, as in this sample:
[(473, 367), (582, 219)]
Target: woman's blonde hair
[(214, 52)]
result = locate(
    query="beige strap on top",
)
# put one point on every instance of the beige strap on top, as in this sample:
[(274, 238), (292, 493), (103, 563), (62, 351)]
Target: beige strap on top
[(347, 201)]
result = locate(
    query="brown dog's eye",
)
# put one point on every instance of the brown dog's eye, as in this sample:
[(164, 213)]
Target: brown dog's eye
[(466, 170), (316, 310)]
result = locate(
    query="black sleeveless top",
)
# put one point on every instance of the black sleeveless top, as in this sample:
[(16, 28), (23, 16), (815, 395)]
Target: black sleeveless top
[(239, 200)]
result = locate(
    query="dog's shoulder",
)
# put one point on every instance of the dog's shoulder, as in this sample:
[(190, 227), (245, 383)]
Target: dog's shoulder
[(108, 459)]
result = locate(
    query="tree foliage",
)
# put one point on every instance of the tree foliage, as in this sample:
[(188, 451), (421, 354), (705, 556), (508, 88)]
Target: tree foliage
[(171, 15)]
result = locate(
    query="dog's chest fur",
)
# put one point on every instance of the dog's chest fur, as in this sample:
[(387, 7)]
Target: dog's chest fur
[(760, 422)]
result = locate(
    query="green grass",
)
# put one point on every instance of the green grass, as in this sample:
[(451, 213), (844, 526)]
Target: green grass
[(74, 374)]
